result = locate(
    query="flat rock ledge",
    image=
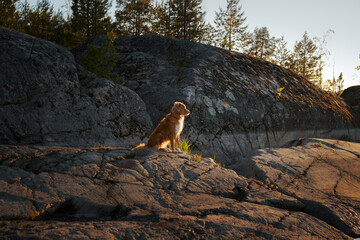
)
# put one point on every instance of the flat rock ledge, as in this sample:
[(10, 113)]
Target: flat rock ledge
[(52, 192), (323, 174)]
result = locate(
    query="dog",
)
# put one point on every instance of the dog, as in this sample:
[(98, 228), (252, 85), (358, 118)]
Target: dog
[(169, 129)]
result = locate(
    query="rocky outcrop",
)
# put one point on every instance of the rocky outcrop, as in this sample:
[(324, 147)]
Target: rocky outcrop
[(309, 189), (323, 174), (110, 193), (351, 97), (45, 97), (238, 103)]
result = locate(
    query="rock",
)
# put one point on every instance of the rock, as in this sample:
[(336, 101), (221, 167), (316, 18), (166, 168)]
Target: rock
[(103, 193), (76, 191), (322, 174), (46, 98), (238, 103), (351, 97)]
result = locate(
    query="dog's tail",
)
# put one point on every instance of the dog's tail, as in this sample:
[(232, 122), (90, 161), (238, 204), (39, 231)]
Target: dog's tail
[(141, 145)]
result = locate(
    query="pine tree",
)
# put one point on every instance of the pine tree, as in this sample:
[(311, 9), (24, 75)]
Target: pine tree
[(90, 17), (133, 17), (262, 45), (77, 22), (25, 11), (305, 60), (64, 35), (229, 25), (9, 15), (358, 67), (189, 19), (165, 19), (161, 19), (282, 55), (41, 21), (181, 19), (209, 35)]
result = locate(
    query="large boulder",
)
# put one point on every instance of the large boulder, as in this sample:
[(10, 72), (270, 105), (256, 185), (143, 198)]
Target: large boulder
[(45, 97), (106, 192), (238, 103), (323, 174), (351, 97)]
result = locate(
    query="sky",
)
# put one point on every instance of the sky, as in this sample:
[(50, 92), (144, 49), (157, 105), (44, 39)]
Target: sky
[(291, 18)]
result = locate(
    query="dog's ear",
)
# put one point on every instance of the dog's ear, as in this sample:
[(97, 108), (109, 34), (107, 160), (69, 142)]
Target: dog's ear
[(175, 107)]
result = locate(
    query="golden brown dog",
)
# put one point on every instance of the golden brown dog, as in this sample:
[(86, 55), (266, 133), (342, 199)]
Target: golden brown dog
[(169, 129)]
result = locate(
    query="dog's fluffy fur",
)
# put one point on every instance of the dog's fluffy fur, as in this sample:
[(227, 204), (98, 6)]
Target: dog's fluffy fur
[(169, 129)]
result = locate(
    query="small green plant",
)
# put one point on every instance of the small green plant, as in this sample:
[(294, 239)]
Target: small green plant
[(279, 92), (102, 61), (218, 165), (318, 144), (197, 158), (185, 145)]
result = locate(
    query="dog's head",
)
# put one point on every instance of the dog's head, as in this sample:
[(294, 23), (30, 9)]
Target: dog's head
[(180, 109)]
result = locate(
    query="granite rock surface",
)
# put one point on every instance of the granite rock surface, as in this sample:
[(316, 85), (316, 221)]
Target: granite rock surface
[(323, 174), (63, 192), (238, 103), (47, 98)]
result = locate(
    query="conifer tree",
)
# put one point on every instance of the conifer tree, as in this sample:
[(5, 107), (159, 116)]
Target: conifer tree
[(262, 45), (133, 17), (189, 19), (230, 28), (358, 67), (90, 17), (162, 18), (9, 16), (181, 19), (77, 21), (209, 35), (282, 55), (25, 12), (305, 60), (43, 20), (40, 21)]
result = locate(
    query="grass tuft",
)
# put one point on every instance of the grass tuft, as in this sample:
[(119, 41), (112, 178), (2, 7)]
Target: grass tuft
[(197, 158), (218, 165), (318, 144), (185, 145)]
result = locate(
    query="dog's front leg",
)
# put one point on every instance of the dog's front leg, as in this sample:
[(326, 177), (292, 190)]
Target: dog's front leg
[(177, 142), (172, 144)]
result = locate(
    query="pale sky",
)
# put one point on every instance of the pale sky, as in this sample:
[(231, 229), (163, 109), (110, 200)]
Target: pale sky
[(292, 18)]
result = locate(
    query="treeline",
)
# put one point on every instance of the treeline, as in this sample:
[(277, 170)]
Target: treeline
[(181, 19)]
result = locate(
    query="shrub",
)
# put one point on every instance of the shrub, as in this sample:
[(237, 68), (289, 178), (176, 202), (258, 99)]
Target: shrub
[(196, 158), (102, 61)]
